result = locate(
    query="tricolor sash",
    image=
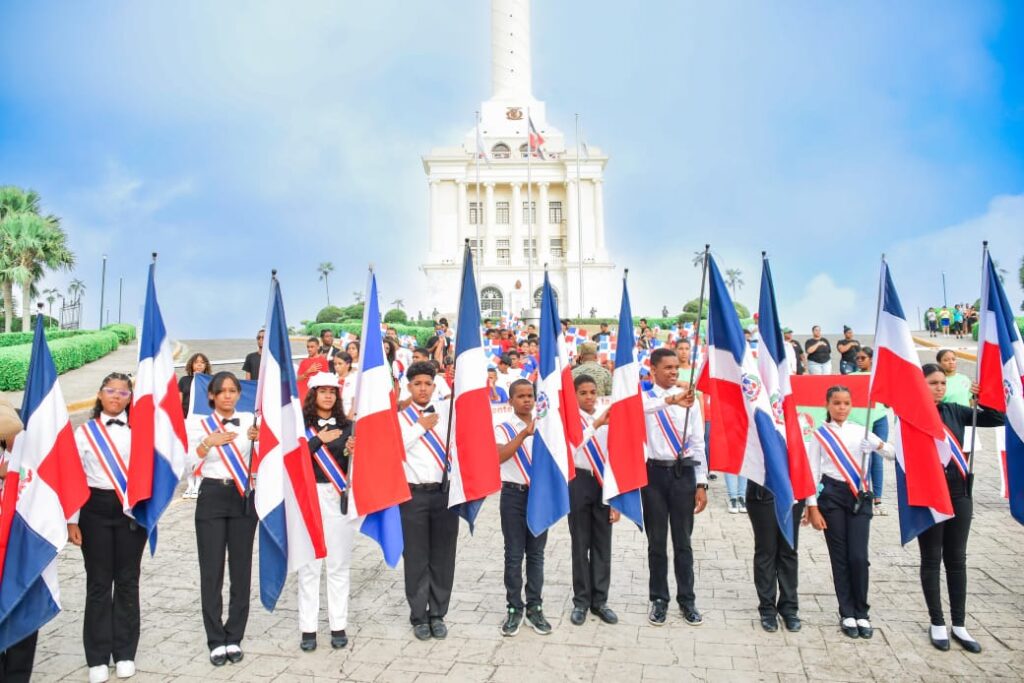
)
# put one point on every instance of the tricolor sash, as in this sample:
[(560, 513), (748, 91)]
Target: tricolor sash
[(327, 464), (841, 458), (108, 455), (595, 456), (229, 455), (522, 456), (957, 452), (430, 439), (668, 428)]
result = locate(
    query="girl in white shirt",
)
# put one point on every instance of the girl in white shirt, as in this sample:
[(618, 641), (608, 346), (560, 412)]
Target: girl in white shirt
[(112, 543), (843, 508)]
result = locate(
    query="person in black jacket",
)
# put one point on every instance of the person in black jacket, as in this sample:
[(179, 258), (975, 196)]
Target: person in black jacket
[(947, 541)]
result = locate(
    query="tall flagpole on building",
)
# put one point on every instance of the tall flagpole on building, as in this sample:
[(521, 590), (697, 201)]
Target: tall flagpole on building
[(531, 247), (579, 212), (479, 208)]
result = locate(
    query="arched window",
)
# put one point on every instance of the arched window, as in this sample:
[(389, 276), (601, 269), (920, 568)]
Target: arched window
[(491, 302), (539, 294), (501, 151), (522, 150)]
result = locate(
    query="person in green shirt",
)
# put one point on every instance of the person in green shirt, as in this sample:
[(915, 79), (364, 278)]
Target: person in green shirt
[(958, 387)]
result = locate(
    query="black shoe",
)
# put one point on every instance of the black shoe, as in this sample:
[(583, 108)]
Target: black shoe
[(865, 632), (605, 614), (792, 624), (235, 654), (692, 616), (770, 624), (339, 639), (659, 611), (512, 622), (578, 616), (939, 644), (850, 631), (438, 629), (971, 646), (535, 615), (308, 642), (218, 659), (421, 631)]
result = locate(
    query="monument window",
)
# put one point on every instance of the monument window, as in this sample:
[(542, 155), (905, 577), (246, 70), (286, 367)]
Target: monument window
[(477, 247), (539, 294), (529, 212), (556, 247), (530, 249), (504, 253), (491, 302), (475, 213), (501, 151), (501, 211), (555, 212)]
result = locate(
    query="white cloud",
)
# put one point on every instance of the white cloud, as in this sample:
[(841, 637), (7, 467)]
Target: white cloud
[(823, 303)]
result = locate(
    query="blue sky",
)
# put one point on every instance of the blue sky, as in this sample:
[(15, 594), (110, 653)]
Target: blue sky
[(238, 137)]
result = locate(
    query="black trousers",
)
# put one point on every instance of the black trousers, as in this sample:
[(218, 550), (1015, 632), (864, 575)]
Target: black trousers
[(519, 542), (16, 661), (224, 522), (847, 541), (591, 535), (775, 563), (431, 531), (946, 543), (669, 499), (112, 546)]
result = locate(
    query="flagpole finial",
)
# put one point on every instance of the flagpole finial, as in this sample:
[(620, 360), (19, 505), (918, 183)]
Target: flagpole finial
[(625, 273), (273, 274), (154, 256), (984, 244), (707, 247), (545, 266), (764, 255), (371, 267)]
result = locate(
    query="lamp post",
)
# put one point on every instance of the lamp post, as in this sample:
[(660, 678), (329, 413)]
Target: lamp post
[(103, 285), (944, 301), (120, 290)]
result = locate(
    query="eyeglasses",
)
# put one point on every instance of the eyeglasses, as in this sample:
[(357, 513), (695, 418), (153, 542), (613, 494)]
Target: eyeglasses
[(120, 393)]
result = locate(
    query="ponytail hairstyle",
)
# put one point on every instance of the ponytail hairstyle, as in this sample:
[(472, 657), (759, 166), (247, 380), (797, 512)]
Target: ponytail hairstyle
[(931, 369), (97, 408), (832, 391)]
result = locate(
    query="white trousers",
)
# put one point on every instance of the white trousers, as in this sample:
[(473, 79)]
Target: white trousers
[(339, 533)]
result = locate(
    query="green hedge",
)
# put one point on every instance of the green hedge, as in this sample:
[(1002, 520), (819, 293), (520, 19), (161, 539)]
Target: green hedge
[(68, 353), (19, 338), (422, 334), (125, 332), (1020, 326)]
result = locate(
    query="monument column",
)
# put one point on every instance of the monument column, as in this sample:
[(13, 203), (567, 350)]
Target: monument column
[(541, 219), (516, 214), (510, 48), (488, 215), (460, 186), (436, 239), (599, 217), (572, 250)]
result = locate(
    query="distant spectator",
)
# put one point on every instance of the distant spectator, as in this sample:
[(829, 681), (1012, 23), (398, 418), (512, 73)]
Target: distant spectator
[(587, 365), (497, 393), (958, 320), (198, 364), (251, 366), (603, 332), (313, 363), (945, 318), (933, 322), (794, 352), (958, 387), (327, 347), (847, 348), (819, 353)]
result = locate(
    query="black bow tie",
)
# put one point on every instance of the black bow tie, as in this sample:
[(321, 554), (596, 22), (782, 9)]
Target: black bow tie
[(231, 421), (324, 423), (114, 421)]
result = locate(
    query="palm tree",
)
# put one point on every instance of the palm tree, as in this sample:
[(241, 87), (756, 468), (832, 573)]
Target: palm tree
[(698, 258), (34, 244), (733, 279), (76, 288), (398, 303), (358, 297), (325, 269), (51, 294), (13, 200)]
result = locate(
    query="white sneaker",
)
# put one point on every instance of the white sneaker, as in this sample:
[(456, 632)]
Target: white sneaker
[(734, 506), (99, 674), (186, 494), (125, 668)]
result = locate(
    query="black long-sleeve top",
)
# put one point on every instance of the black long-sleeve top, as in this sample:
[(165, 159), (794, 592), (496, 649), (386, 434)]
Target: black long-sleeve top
[(956, 417), (336, 448)]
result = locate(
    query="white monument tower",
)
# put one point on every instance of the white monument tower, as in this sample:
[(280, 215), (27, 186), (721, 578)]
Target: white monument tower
[(487, 201)]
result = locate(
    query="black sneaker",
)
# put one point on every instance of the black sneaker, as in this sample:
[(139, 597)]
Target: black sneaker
[(535, 615), (438, 629), (512, 621), (308, 642), (339, 639), (421, 631), (659, 610), (692, 616)]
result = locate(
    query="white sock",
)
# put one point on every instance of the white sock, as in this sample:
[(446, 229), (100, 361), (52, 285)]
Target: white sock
[(219, 650), (863, 623), (849, 622), (939, 633), (962, 633), (234, 648)]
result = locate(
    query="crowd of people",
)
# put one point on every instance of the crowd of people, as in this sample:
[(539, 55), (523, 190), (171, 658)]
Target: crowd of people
[(957, 321), (220, 440)]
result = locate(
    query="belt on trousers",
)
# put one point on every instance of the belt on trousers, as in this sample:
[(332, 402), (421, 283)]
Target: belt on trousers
[(515, 487), (222, 482), (425, 487), (661, 463)]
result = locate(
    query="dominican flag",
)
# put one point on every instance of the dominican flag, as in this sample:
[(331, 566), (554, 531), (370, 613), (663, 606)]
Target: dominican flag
[(626, 471), (291, 530), (555, 438), (376, 473), (747, 438), (158, 427), (474, 471), (896, 381), (45, 485), (536, 141), (775, 373), (1001, 363)]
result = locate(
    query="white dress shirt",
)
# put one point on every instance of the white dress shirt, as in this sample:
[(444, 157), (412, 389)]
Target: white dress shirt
[(509, 469), (421, 466), (213, 466), (121, 437), (600, 434), (851, 434), (348, 392), (658, 447)]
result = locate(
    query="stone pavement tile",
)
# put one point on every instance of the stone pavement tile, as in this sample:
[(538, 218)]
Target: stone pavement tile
[(708, 651), (613, 670), (655, 656), (519, 673), (464, 671), (392, 674), (779, 659)]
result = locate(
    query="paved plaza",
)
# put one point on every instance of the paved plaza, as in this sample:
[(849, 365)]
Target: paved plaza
[(729, 646)]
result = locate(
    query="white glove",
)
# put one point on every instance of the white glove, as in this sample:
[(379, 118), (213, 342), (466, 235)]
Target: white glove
[(871, 443)]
